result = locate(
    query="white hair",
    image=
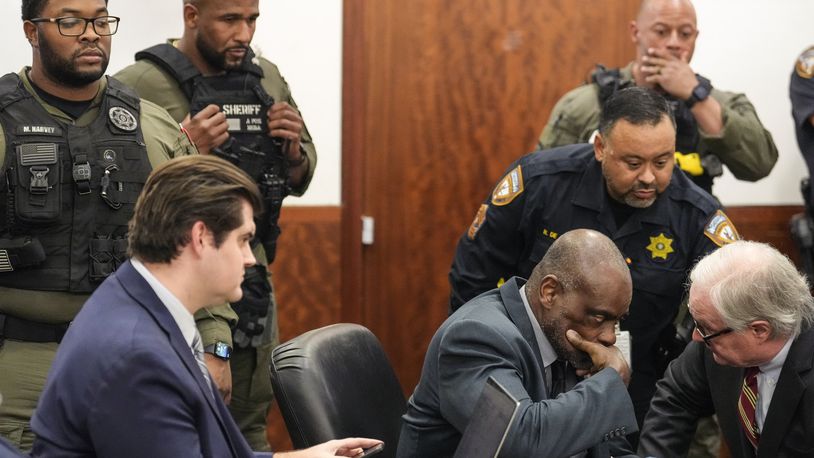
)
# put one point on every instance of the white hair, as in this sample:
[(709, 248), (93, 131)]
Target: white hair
[(749, 281)]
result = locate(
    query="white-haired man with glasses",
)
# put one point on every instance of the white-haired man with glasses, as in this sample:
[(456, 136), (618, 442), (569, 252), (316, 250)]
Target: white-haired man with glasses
[(75, 150), (750, 361)]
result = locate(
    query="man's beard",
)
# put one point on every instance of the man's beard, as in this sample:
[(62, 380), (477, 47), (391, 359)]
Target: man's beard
[(217, 59), (628, 198), (636, 202), (555, 333), (64, 71)]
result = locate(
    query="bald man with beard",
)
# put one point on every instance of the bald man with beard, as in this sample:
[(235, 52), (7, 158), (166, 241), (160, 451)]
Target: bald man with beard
[(715, 127)]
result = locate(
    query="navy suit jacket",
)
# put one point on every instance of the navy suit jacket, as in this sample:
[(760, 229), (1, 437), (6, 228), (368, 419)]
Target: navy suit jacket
[(8, 451), (493, 336), (695, 385), (125, 384)]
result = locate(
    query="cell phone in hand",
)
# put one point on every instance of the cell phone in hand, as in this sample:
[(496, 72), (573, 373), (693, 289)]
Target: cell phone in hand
[(371, 450)]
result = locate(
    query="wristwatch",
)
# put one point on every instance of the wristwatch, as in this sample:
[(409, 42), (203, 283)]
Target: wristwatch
[(220, 349), (699, 93)]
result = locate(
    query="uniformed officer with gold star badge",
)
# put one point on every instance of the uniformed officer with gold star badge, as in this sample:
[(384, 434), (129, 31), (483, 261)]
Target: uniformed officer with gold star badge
[(623, 186)]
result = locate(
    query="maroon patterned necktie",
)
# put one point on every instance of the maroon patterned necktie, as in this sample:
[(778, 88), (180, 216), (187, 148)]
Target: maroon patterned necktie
[(747, 403)]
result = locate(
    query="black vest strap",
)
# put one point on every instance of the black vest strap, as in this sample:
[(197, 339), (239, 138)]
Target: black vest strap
[(178, 65), (174, 62), (124, 93), (11, 90)]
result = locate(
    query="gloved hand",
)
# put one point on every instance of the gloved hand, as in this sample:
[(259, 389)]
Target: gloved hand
[(252, 309)]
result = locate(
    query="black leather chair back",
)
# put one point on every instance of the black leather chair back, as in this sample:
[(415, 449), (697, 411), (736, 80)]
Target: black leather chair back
[(336, 382)]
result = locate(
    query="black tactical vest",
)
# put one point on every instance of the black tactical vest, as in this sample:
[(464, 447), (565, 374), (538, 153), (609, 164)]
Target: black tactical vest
[(241, 97), (71, 188)]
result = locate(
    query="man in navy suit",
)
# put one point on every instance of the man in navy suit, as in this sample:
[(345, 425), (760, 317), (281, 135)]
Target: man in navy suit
[(8, 451), (129, 379), (750, 363)]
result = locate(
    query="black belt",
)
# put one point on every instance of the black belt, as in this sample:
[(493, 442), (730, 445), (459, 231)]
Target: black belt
[(30, 331)]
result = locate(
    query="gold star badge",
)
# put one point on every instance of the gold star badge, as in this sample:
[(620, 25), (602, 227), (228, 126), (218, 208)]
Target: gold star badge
[(660, 246)]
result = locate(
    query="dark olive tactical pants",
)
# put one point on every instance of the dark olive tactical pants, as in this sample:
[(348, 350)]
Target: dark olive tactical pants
[(251, 387), (23, 370)]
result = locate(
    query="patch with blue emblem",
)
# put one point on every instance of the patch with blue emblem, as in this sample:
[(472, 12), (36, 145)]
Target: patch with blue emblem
[(720, 229), (509, 187)]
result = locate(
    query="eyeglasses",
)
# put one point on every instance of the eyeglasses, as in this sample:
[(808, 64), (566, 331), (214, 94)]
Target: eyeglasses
[(707, 337), (71, 26)]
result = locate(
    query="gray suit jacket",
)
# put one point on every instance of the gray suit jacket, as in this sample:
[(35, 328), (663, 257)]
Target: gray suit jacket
[(695, 385), (492, 336)]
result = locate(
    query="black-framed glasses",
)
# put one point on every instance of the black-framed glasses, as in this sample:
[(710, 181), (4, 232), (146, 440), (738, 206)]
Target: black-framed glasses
[(707, 337), (72, 26)]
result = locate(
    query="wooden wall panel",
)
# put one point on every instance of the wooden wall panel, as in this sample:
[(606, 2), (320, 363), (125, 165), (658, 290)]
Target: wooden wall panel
[(769, 224), (306, 270), (439, 97), (306, 282)]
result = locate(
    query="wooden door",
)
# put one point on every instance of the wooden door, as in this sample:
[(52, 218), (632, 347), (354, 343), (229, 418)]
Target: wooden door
[(439, 96)]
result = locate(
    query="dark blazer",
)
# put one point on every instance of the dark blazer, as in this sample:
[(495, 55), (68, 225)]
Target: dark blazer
[(493, 336), (9, 451), (695, 385), (125, 384)]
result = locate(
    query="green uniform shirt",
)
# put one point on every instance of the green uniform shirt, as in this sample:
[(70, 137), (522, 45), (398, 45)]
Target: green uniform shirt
[(744, 145), (164, 140), (155, 84)]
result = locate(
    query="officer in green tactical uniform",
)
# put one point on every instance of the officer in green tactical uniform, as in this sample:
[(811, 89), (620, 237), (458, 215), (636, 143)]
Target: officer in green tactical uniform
[(238, 106), (75, 151), (715, 127)]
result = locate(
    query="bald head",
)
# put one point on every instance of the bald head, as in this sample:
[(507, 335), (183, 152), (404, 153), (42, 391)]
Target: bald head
[(581, 260), (651, 9), (583, 284), (201, 4), (665, 25)]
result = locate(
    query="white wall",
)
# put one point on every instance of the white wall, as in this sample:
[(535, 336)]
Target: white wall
[(745, 45), (303, 37), (749, 46)]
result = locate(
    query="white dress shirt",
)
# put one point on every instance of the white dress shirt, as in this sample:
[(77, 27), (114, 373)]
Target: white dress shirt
[(767, 381), (182, 317)]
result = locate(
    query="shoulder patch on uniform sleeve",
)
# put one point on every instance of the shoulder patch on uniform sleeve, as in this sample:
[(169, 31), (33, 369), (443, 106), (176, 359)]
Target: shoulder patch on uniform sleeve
[(720, 229), (805, 64), (477, 222), (509, 187)]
